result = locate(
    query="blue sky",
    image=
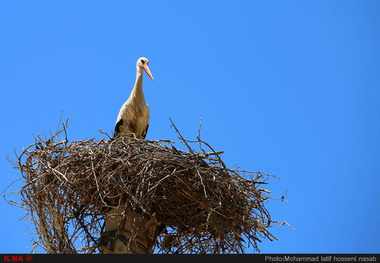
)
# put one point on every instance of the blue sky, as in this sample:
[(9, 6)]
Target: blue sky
[(289, 88)]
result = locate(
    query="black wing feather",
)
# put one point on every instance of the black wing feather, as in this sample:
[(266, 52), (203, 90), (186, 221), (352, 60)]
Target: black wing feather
[(145, 132), (117, 127)]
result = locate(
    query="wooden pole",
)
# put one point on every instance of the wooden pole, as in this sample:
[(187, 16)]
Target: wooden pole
[(127, 232)]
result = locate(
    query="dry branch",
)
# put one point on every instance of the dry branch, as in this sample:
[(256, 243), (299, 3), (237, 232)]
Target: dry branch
[(205, 206)]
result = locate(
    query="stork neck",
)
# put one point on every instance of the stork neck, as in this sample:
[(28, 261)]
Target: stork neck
[(137, 89)]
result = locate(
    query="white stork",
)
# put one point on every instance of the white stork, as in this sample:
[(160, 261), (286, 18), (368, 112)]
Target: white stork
[(133, 118)]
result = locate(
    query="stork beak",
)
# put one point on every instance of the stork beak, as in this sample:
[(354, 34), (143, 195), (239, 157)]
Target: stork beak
[(147, 70)]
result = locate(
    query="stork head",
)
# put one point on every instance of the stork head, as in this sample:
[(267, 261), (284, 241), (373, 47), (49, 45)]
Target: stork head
[(143, 63)]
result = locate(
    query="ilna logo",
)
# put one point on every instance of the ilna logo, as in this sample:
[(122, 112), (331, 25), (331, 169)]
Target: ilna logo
[(17, 258)]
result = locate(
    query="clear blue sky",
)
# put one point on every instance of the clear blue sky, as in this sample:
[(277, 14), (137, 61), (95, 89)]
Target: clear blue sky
[(290, 88)]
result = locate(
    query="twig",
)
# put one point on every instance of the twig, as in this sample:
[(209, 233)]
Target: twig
[(180, 136)]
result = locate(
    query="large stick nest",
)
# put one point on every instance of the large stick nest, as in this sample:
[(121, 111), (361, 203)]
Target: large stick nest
[(207, 207)]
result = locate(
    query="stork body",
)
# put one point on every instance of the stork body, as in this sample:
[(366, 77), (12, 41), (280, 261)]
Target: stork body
[(133, 118)]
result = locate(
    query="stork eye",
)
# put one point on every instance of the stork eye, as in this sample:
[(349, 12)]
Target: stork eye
[(143, 61)]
